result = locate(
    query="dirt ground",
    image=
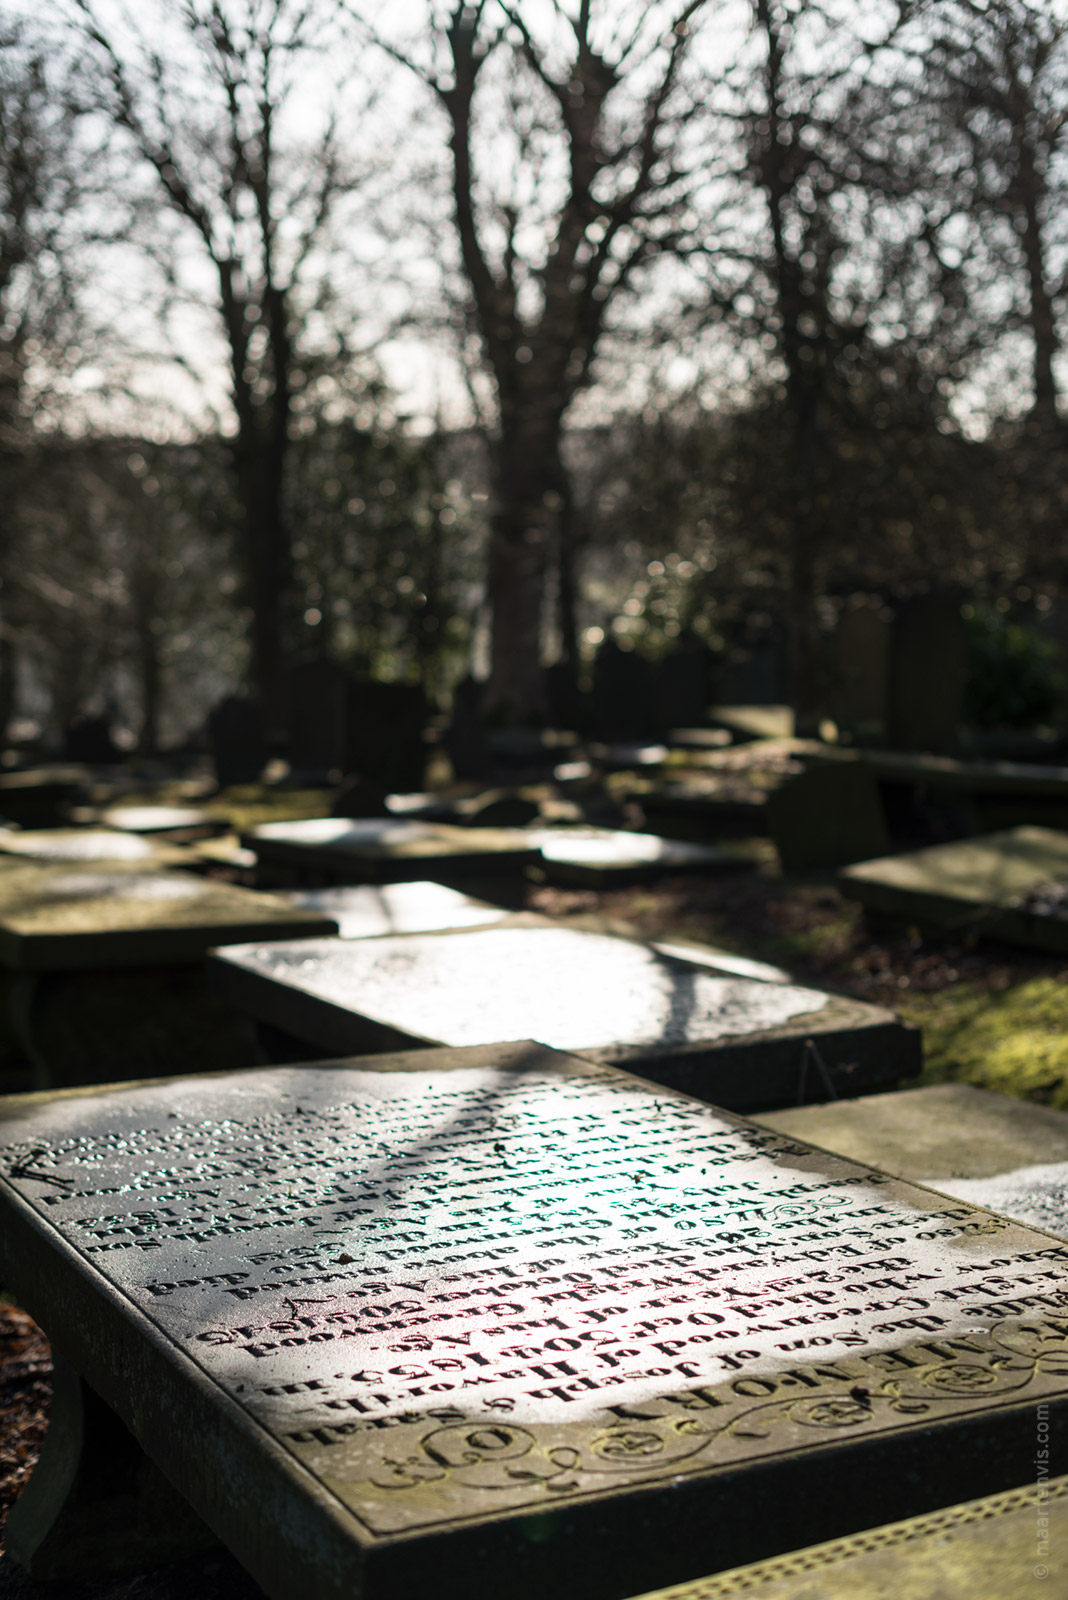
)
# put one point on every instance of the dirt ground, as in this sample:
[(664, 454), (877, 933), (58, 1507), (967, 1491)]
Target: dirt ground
[(991, 1015)]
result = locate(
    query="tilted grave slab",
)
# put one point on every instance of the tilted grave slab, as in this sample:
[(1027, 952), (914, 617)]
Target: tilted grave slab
[(385, 850), (1011, 885), (499, 1318), (1007, 1154), (63, 918), (107, 963), (87, 844), (730, 1040), (368, 911), (603, 858), (1001, 1547)]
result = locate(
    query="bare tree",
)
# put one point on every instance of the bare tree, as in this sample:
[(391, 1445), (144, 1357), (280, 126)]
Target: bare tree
[(998, 70), (208, 111), (570, 173), (47, 159)]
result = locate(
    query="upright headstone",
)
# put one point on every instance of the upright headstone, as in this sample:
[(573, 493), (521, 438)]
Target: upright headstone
[(685, 682), (927, 671), (236, 740), (386, 740), (319, 693), (465, 739), (826, 816), (89, 739), (624, 703), (501, 1315), (861, 669)]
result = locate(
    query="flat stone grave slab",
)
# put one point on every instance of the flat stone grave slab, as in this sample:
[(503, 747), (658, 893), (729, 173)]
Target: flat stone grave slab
[(87, 844), (1011, 885), (368, 911), (384, 850), (1007, 1154), (106, 970), (39, 797), (55, 918), (174, 822), (417, 1323), (1000, 1547), (733, 1041), (606, 857)]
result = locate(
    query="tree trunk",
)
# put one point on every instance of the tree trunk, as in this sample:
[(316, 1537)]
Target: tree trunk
[(520, 529), (267, 569), (1043, 322), (151, 692)]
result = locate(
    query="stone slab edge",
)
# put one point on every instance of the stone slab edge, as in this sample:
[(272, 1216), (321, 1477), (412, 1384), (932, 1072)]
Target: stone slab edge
[(144, 947)]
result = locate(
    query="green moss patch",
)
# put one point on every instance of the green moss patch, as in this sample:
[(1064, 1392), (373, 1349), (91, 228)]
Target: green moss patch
[(1015, 1042)]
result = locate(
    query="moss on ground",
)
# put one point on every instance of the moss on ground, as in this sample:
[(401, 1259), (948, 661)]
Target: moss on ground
[(1015, 1042)]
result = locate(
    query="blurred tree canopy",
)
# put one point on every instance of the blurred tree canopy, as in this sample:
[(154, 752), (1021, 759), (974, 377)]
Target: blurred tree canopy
[(699, 318)]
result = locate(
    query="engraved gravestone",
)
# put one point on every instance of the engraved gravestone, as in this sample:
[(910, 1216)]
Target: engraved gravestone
[(509, 1317), (1002, 1547), (731, 1040)]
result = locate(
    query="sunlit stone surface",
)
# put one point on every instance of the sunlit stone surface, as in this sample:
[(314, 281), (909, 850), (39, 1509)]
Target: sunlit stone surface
[(156, 819), (571, 989), (120, 913), (444, 1292), (615, 847), (365, 911), (84, 844)]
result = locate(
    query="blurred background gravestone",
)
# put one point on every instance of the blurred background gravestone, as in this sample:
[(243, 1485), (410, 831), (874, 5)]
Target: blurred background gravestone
[(386, 734), (465, 738), (236, 740), (89, 739), (928, 665), (860, 669), (686, 683), (624, 698), (319, 697)]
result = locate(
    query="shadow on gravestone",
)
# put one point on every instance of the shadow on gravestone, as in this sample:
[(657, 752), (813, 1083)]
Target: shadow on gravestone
[(386, 735), (624, 702), (928, 663), (236, 740), (827, 816), (860, 669), (319, 693)]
